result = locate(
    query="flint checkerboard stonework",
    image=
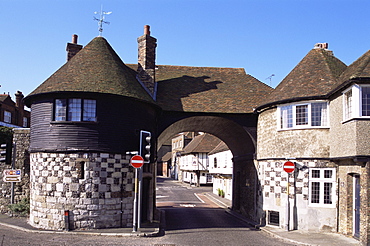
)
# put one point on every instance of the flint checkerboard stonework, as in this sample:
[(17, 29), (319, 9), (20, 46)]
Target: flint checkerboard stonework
[(96, 189)]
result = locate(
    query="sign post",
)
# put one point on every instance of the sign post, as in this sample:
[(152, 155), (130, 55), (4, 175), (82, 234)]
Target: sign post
[(137, 162), (289, 168)]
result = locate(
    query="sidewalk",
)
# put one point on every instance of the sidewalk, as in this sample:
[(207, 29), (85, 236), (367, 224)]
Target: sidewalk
[(147, 230), (296, 237)]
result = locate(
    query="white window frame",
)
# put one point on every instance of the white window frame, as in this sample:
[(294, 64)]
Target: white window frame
[(7, 116), (294, 124), (322, 181), (356, 103)]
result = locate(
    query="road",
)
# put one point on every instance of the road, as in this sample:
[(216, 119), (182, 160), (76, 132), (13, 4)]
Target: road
[(193, 219)]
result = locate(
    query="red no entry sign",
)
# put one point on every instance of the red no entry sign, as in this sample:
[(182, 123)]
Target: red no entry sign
[(137, 161), (289, 166)]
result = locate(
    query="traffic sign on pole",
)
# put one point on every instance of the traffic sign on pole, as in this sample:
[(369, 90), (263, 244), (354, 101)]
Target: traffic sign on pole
[(289, 167), (137, 161)]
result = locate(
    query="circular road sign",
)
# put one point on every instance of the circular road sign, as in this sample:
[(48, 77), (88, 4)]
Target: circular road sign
[(289, 167), (137, 161)]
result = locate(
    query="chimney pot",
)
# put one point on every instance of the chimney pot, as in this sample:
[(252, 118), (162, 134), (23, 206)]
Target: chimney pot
[(74, 38), (146, 30)]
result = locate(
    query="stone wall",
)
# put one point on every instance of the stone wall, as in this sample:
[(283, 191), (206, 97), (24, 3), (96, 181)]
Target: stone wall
[(96, 189), (21, 190), (297, 143)]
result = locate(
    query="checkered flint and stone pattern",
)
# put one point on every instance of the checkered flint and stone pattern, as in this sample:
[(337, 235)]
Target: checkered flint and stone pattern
[(96, 188)]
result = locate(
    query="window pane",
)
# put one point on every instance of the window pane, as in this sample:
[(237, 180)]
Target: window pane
[(60, 109), (315, 192), (301, 115), (25, 121), (286, 117), (327, 193), (365, 101), (74, 110), (89, 113), (318, 114), (348, 104), (315, 173), (7, 117), (328, 174)]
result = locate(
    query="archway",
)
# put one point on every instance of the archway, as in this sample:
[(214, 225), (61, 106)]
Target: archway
[(242, 145)]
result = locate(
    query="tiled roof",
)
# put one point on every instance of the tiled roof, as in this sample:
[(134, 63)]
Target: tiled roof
[(96, 68), (219, 148), (201, 144), (3, 97), (358, 69), (208, 89), (315, 76)]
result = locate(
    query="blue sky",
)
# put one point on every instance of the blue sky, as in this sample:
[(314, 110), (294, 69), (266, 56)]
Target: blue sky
[(264, 37)]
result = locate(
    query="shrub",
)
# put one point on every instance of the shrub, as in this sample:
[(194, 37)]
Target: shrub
[(22, 208)]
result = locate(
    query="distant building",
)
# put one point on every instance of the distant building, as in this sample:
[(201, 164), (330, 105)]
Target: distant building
[(13, 114), (221, 168), (194, 161)]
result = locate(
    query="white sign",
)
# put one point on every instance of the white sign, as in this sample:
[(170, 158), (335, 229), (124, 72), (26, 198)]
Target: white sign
[(12, 175)]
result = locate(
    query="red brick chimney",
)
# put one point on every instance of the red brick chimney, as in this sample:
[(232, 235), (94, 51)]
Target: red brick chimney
[(19, 100), (73, 48), (146, 60)]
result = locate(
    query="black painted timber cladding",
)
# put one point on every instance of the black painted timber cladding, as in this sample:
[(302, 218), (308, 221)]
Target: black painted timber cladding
[(119, 121)]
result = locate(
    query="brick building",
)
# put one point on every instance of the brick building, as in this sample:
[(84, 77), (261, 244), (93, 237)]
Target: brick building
[(13, 114)]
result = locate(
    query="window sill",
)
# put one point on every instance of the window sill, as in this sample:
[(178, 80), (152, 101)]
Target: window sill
[(304, 128), (73, 122), (356, 118)]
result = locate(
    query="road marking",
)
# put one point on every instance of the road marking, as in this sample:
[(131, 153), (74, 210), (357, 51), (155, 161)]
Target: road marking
[(195, 194), (187, 205), (159, 196)]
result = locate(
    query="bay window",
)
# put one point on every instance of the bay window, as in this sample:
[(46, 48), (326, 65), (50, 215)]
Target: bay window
[(303, 115), (356, 102)]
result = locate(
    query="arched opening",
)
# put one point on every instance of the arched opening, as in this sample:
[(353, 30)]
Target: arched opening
[(240, 141)]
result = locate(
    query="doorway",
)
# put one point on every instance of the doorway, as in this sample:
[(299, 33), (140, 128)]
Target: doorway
[(356, 206)]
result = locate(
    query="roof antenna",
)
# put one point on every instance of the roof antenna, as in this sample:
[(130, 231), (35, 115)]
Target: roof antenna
[(270, 77), (101, 20)]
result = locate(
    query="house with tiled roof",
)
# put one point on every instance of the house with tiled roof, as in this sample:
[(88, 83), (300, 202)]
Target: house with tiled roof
[(194, 161), (13, 114), (318, 118)]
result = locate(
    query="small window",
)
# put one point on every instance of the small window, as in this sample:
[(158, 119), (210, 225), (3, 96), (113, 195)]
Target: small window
[(215, 162), (321, 187), (75, 109), (25, 122), (365, 99), (348, 104), (7, 117)]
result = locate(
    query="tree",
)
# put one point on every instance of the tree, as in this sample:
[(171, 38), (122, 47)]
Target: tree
[(6, 134)]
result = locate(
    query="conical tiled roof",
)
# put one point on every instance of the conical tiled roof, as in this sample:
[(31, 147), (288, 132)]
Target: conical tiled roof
[(96, 68), (315, 76), (358, 69)]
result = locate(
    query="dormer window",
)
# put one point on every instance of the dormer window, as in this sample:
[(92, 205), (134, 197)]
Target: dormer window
[(303, 115), (356, 102), (74, 109)]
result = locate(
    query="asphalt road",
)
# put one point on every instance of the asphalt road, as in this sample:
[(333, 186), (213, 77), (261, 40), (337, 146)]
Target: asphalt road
[(193, 219)]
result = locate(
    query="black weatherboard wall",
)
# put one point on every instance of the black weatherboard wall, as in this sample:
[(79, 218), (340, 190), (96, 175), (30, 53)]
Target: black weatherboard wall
[(119, 121)]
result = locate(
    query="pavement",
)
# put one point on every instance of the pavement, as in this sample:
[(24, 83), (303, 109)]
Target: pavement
[(156, 229)]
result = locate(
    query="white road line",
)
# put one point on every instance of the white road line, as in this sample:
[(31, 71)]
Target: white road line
[(199, 198)]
